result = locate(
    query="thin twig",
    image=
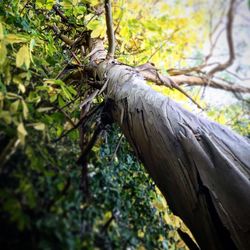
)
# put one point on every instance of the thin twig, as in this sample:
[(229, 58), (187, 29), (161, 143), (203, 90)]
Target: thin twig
[(116, 148), (91, 143), (89, 99), (78, 61), (66, 115)]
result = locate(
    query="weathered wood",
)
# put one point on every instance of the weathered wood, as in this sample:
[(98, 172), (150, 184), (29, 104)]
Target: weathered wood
[(201, 167)]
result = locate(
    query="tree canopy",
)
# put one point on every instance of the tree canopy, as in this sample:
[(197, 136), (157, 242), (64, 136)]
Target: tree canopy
[(68, 178)]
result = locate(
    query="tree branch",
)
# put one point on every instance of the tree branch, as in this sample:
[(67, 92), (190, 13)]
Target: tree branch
[(203, 81), (110, 30), (151, 74), (229, 29)]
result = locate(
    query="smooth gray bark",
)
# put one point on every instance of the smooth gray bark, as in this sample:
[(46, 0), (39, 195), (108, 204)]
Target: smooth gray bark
[(202, 168)]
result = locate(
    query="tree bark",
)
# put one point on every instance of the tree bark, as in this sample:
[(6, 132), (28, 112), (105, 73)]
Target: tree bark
[(202, 168)]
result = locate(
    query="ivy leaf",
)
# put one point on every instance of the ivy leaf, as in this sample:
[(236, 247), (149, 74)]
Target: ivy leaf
[(23, 57)]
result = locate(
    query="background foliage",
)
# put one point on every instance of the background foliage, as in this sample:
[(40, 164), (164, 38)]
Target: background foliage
[(43, 204)]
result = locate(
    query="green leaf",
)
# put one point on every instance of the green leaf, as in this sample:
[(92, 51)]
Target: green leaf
[(66, 93), (53, 98), (72, 90)]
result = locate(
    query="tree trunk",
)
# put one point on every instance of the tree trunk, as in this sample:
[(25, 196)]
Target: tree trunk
[(202, 168)]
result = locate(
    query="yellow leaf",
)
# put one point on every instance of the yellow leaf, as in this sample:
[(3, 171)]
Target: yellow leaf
[(75, 2), (23, 57), (140, 233), (93, 24), (98, 32), (88, 18), (40, 3), (7, 75), (17, 79), (14, 106), (1, 32), (67, 4), (44, 109), (159, 205), (39, 126), (25, 110), (11, 38), (21, 132), (21, 87), (93, 2), (3, 53)]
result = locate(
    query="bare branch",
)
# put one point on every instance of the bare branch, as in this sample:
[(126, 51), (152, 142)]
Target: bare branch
[(91, 143), (238, 77), (110, 30), (229, 29), (150, 73), (204, 81)]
